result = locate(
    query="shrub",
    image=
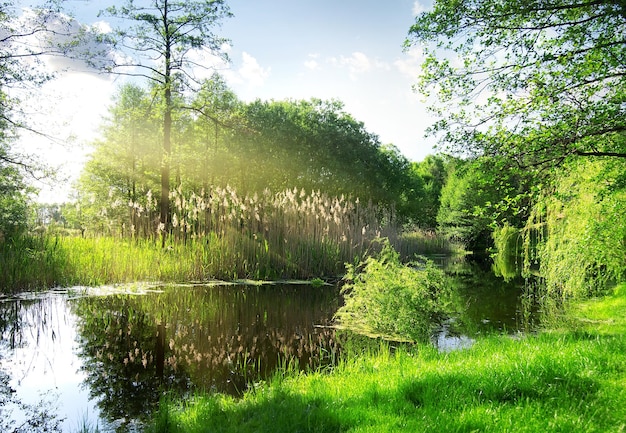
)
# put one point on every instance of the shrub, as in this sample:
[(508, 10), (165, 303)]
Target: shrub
[(385, 297)]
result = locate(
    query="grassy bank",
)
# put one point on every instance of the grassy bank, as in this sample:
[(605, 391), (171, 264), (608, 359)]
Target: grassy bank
[(569, 379), (44, 261)]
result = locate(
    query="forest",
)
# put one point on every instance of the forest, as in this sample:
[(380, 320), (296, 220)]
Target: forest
[(189, 183)]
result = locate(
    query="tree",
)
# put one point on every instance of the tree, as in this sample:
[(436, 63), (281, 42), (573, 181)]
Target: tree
[(433, 171), (24, 40), (13, 199), (124, 167), (477, 196), (315, 145), (532, 82), (216, 106), (161, 35)]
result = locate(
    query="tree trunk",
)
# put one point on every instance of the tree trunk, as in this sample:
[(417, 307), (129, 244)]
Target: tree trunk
[(167, 135)]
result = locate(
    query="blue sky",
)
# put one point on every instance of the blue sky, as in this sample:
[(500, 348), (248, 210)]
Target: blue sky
[(351, 50)]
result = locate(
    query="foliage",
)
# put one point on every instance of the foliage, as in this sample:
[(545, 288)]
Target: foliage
[(327, 149), (312, 145), (577, 232), (386, 297), (570, 380), (531, 83), (477, 197), (433, 171), (13, 200), (27, 36), (168, 32)]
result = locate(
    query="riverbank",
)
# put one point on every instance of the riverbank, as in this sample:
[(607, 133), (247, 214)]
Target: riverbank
[(571, 378), (39, 262)]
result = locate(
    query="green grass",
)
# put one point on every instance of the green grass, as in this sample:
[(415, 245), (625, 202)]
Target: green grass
[(43, 261), (571, 379)]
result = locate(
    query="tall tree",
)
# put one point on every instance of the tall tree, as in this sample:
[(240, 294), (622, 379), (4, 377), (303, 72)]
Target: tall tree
[(532, 82), (160, 36)]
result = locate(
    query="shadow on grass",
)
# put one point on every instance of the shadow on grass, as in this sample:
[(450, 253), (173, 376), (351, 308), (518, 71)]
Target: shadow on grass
[(279, 412), (452, 391)]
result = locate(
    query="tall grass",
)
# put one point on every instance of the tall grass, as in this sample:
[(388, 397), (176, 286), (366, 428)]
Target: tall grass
[(214, 234)]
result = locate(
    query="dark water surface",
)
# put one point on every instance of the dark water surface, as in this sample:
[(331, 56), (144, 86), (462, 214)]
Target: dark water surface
[(103, 357)]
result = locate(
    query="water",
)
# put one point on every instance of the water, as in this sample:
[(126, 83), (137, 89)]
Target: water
[(102, 358), (69, 359)]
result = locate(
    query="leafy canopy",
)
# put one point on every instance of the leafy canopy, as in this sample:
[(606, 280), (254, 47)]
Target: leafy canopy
[(534, 82)]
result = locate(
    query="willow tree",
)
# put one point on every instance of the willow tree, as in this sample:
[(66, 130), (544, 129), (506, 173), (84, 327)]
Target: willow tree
[(160, 38), (533, 83)]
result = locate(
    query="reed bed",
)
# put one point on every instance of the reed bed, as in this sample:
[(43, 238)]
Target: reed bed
[(215, 234)]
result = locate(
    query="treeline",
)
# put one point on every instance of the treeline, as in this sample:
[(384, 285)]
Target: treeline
[(219, 142)]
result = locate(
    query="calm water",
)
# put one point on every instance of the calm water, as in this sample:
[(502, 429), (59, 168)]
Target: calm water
[(104, 357)]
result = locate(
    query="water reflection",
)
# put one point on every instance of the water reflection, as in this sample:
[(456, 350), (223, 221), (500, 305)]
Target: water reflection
[(108, 359), (188, 338), (38, 370), (484, 303)]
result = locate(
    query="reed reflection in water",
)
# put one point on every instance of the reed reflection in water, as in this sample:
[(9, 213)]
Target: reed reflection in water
[(219, 338)]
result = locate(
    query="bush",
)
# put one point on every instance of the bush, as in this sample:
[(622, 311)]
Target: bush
[(385, 297)]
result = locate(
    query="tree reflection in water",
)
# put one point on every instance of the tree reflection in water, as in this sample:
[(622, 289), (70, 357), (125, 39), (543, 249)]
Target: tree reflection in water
[(218, 338)]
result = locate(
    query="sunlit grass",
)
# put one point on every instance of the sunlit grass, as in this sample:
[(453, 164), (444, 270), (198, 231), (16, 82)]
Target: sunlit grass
[(288, 235), (557, 381)]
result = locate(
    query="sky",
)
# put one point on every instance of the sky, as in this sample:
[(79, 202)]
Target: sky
[(350, 50)]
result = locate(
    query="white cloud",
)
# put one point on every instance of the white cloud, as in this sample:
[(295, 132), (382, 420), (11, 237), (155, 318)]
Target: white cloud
[(358, 63), (410, 65), (251, 72), (312, 62), (418, 8), (312, 65), (203, 62), (102, 27)]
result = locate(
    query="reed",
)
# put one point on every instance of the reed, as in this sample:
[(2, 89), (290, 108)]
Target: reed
[(214, 234)]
